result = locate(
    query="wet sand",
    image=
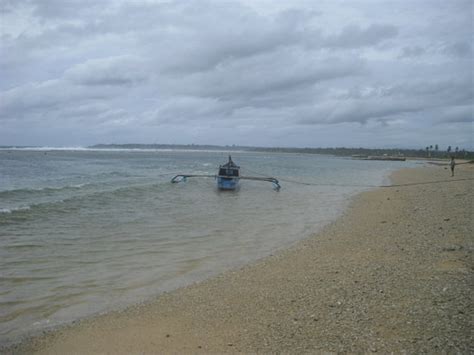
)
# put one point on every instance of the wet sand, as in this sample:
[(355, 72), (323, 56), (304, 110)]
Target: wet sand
[(393, 274)]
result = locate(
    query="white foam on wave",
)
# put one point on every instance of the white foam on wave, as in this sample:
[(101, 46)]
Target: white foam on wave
[(45, 149), (13, 209), (44, 188)]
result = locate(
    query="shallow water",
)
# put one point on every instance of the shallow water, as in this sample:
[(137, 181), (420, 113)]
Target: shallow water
[(86, 231)]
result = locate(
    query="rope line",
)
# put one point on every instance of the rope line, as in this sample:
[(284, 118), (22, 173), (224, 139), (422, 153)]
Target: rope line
[(425, 182), (368, 186), (376, 186)]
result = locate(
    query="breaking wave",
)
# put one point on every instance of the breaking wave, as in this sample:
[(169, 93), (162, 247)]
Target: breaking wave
[(17, 192), (74, 202), (14, 209)]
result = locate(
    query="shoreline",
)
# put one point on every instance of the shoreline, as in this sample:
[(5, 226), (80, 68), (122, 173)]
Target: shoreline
[(393, 273)]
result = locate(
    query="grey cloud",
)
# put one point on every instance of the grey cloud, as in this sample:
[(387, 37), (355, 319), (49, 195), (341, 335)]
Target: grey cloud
[(85, 109), (7, 6), (397, 101), (114, 71), (175, 42), (413, 51), (70, 9), (458, 49), (266, 73), (456, 114), (207, 48), (188, 109), (37, 99), (454, 91), (357, 111), (32, 96), (216, 65), (353, 36)]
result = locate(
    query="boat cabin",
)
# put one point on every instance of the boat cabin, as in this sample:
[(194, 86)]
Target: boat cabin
[(229, 176), (229, 169)]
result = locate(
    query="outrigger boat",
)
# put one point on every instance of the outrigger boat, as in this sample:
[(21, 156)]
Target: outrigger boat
[(228, 177), (229, 174)]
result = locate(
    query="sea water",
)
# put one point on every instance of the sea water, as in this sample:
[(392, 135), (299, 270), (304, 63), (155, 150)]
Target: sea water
[(88, 231)]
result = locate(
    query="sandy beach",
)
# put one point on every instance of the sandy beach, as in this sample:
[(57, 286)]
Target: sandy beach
[(393, 274)]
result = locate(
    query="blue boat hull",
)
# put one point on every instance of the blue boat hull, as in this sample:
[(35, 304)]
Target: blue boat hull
[(225, 183)]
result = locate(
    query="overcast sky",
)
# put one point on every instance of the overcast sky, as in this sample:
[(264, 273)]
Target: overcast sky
[(246, 72)]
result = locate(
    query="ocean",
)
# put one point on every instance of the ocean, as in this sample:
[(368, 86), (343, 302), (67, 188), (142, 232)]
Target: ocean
[(86, 231)]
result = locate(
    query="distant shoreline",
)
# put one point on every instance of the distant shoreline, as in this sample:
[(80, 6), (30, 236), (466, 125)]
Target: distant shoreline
[(337, 151)]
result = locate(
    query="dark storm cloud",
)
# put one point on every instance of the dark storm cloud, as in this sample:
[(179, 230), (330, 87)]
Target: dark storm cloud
[(153, 66)]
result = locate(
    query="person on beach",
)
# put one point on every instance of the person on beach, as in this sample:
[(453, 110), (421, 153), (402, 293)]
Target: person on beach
[(452, 164)]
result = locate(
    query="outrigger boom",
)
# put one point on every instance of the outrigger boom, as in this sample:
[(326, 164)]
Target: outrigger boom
[(183, 177), (269, 179)]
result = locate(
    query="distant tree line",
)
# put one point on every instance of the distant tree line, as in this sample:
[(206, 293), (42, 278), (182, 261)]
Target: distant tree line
[(450, 152), (416, 153), (429, 152)]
